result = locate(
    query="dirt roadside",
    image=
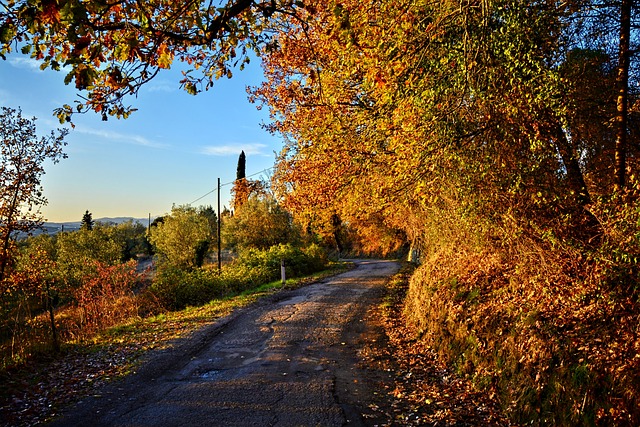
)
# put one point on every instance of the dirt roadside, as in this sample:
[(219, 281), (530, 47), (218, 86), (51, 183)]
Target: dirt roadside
[(325, 354), (289, 360)]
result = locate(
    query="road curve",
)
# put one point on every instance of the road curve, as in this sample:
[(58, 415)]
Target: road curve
[(276, 363)]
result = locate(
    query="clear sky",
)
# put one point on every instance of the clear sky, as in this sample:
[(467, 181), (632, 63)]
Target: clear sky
[(171, 151)]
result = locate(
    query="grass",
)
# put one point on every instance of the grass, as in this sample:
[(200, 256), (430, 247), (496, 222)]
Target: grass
[(160, 330), (115, 352)]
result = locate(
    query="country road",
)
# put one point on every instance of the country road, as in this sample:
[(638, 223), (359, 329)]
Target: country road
[(289, 360)]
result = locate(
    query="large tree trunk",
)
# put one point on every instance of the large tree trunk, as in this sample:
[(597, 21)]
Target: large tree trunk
[(586, 227), (622, 86)]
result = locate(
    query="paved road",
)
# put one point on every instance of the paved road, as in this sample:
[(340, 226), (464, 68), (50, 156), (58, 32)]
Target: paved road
[(286, 361)]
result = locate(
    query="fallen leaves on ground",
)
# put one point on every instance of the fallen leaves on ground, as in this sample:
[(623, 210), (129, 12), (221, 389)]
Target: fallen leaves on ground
[(34, 392), (423, 391)]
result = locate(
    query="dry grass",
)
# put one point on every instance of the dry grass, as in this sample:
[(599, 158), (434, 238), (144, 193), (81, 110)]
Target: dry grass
[(26, 398), (550, 329)]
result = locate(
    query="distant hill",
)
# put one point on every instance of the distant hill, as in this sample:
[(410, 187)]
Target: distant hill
[(56, 227), (121, 219)]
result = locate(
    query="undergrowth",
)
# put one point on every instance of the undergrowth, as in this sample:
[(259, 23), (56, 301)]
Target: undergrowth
[(175, 296), (546, 324)]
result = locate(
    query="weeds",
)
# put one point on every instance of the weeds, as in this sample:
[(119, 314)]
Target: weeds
[(546, 323), (112, 353)]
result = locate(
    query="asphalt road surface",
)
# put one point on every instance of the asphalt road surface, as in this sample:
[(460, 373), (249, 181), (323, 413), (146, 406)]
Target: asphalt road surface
[(289, 360)]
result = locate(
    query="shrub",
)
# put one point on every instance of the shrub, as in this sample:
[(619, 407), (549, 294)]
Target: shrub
[(175, 288), (104, 297), (547, 325), (297, 261)]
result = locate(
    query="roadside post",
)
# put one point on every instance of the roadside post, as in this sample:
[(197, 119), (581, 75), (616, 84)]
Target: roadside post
[(282, 272)]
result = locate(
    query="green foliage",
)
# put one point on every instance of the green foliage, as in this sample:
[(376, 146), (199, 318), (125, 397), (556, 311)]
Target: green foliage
[(77, 251), (132, 239), (212, 218), (260, 223), (77, 277), (297, 261), (242, 166), (478, 132), (177, 288), (182, 238), (87, 221)]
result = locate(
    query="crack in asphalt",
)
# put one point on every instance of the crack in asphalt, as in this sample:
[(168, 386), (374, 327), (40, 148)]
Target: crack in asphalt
[(278, 362)]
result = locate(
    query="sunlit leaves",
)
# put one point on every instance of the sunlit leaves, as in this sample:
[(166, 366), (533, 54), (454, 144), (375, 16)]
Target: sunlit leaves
[(260, 222), (469, 129), (138, 38), (181, 236), (22, 157), (165, 57)]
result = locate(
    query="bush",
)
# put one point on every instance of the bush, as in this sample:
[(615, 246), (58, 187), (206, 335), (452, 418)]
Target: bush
[(547, 325), (297, 261), (175, 288)]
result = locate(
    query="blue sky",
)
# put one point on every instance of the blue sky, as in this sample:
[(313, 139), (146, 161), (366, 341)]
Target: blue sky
[(171, 151)]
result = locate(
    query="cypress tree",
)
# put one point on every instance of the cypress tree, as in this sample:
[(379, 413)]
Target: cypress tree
[(242, 164)]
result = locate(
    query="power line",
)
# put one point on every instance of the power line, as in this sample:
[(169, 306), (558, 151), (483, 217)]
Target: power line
[(225, 184), (202, 197)]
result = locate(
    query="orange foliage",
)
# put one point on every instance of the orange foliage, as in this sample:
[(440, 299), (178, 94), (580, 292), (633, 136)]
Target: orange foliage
[(135, 39), (102, 298), (243, 189), (445, 125)]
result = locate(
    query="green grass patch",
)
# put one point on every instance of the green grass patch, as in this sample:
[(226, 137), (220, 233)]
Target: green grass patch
[(157, 330)]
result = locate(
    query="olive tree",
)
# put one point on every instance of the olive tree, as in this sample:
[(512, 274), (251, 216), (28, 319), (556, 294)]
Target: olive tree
[(183, 238), (261, 223)]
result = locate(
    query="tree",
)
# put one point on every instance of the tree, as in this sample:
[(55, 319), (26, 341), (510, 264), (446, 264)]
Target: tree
[(112, 49), (243, 188), (81, 269), (182, 239), (388, 123), (241, 172), (131, 237), (87, 221), (80, 252), (622, 86), (240, 188), (212, 219), (261, 223), (36, 275), (22, 157)]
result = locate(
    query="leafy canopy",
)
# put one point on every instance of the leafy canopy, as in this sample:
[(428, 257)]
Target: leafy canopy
[(183, 238), (110, 49), (22, 158)]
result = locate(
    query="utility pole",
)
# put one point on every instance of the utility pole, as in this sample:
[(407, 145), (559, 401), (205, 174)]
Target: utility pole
[(219, 223)]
